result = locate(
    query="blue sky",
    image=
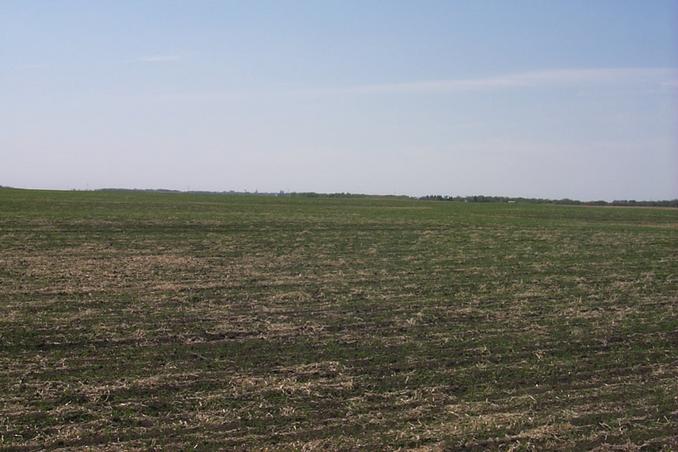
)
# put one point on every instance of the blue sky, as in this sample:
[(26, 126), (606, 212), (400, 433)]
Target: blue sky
[(526, 98)]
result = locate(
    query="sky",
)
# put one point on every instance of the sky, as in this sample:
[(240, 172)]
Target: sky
[(553, 99)]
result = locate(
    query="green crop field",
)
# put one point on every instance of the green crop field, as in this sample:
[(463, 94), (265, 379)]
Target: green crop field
[(180, 321)]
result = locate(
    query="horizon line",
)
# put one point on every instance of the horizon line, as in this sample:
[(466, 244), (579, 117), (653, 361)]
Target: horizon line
[(321, 193)]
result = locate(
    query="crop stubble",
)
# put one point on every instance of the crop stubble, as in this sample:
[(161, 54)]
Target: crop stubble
[(142, 320)]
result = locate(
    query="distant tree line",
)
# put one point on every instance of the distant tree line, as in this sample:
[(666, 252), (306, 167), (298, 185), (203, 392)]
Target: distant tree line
[(474, 198), (566, 201), (338, 195), (308, 194)]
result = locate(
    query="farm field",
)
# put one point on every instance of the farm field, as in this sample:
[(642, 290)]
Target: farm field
[(178, 321)]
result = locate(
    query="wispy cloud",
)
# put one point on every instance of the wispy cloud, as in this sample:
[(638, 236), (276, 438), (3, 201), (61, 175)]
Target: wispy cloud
[(662, 76), (657, 78), (159, 59), (22, 67)]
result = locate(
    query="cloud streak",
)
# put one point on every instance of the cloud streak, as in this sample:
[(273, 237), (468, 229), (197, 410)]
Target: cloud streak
[(663, 76), (159, 59)]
